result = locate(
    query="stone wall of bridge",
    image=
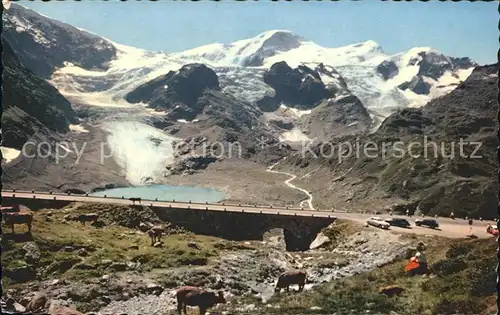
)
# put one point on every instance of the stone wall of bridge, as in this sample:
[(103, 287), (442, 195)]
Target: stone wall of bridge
[(299, 231)]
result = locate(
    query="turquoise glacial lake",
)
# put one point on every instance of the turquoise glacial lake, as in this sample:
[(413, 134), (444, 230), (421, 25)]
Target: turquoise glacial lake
[(165, 193)]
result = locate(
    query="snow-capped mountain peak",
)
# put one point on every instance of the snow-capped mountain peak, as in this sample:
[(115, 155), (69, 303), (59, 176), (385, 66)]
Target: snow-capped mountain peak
[(369, 46), (248, 52)]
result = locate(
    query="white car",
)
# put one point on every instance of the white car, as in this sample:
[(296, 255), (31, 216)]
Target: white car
[(378, 222)]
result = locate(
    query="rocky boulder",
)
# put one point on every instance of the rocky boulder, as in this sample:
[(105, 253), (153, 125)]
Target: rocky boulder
[(301, 87), (387, 69), (177, 91), (32, 252), (417, 85), (320, 241)]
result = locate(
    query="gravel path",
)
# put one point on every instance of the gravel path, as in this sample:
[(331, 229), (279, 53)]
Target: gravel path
[(309, 200)]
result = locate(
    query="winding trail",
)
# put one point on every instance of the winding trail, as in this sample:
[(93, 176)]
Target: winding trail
[(309, 200)]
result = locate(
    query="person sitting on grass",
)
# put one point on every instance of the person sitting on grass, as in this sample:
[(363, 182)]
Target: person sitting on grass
[(418, 263)]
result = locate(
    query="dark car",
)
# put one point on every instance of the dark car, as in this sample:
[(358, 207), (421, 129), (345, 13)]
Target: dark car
[(399, 222), (427, 222)]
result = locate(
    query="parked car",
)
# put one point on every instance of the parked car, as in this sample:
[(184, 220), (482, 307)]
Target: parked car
[(431, 223), (399, 222), (378, 222)]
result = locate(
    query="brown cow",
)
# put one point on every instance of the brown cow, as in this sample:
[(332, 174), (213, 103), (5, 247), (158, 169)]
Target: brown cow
[(289, 278), (23, 217), (193, 296), (89, 217), (391, 290), (155, 233)]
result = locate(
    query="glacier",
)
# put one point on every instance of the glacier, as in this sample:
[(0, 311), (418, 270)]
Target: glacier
[(240, 67), (141, 151)]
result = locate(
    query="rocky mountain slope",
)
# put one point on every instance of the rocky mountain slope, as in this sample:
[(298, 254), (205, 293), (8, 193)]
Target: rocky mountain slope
[(209, 120), (31, 105), (422, 163), (44, 45)]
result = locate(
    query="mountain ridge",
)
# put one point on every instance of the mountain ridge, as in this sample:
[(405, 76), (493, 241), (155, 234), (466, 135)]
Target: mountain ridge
[(123, 68), (431, 185)]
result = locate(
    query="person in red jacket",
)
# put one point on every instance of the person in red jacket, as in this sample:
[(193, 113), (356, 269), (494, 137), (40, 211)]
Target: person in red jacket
[(418, 263)]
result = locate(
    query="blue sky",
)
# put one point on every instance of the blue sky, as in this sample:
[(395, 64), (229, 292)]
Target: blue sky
[(456, 29)]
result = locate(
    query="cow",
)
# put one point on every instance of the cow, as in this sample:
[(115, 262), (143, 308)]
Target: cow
[(22, 217), (89, 217), (134, 199), (155, 234), (194, 296), (391, 290), (289, 278)]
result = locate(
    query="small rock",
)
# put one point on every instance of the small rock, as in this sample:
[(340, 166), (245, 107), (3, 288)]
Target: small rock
[(32, 252), (37, 303), (63, 310), (63, 296), (118, 266), (315, 308), (12, 305), (68, 217), (154, 288), (106, 262), (193, 245), (132, 265), (321, 240), (55, 282), (19, 308), (85, 266), (68, 249), (105, 277), (391, 290), (82, 252)]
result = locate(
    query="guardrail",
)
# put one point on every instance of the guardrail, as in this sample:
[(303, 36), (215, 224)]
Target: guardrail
[(239, 208)]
